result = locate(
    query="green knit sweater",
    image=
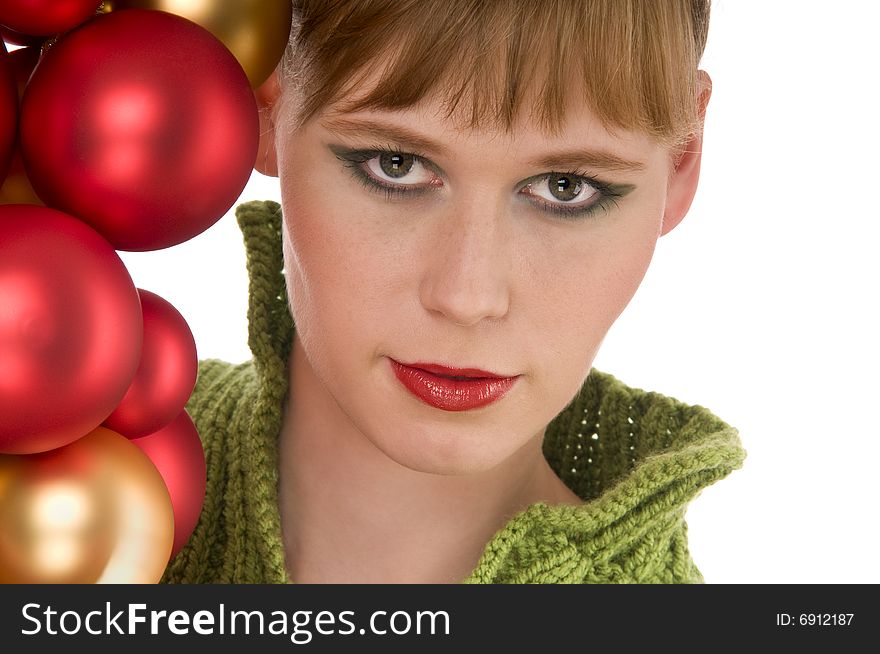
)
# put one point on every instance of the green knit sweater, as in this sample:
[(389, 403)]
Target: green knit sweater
[(636, 458)]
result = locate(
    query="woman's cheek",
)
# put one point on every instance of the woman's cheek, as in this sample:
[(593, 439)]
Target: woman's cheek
[(308, 255), (326, 260), (587, 294)]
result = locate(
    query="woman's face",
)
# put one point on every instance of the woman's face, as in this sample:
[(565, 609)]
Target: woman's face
[(409, 240)]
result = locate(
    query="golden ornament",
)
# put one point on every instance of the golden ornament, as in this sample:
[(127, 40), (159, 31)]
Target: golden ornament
[(93, 511)]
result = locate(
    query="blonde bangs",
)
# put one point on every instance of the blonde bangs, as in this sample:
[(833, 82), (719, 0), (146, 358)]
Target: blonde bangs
[(634, 62)]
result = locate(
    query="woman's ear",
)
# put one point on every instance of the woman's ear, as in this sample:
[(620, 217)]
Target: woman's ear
[(267, 95), (686, 167)]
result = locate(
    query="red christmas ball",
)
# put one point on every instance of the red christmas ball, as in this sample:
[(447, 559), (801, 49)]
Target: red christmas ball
[(8, 112), (142, 124), (70, 329), (177, 453), (167, 373), (44, 17)]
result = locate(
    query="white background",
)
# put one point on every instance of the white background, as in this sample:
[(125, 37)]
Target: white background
[(761, 305)]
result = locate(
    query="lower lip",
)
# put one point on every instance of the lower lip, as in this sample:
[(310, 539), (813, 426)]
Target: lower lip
[(452, 394)]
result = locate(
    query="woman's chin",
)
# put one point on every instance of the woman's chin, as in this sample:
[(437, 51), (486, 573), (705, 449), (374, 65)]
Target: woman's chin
[(443, 451)]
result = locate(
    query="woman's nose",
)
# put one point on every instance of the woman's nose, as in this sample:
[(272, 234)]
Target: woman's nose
[(468, 267)]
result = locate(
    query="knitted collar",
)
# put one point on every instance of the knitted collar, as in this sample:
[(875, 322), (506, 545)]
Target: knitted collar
[(636, 458)]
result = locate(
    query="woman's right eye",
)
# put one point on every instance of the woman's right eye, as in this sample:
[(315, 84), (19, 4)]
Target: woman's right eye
[(398, 167), (389, 170)]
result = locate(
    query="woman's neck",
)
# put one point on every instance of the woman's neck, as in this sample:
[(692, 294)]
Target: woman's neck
[(350, 514)]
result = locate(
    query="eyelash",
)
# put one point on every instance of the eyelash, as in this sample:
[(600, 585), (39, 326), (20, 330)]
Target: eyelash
[(355, 159)]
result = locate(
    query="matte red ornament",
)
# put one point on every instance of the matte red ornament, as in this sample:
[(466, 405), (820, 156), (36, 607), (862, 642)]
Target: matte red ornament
[(70, 329), (8, 112), (142, 124), (45, 17), (167, 373), (176, 451)]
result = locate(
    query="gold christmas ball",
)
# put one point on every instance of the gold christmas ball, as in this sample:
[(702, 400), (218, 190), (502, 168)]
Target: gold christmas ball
[(93, 511)]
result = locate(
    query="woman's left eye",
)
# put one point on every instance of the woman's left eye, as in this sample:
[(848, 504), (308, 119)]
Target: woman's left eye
[(566, 192), (565, 188)]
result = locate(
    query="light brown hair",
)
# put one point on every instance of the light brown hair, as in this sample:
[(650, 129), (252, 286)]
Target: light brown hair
[(634, 62)]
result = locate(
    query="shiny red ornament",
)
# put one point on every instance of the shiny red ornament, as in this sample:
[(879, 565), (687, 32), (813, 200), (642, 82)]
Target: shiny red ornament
[(70, 329), (8, 112), (176, 451), (45, 17), (142, 124), (167, 373)]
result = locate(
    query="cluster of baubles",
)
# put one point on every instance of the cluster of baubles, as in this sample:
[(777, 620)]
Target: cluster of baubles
[(125, 125)]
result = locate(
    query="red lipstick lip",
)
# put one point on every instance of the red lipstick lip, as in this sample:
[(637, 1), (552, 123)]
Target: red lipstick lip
[(445, 371), (438, 387)]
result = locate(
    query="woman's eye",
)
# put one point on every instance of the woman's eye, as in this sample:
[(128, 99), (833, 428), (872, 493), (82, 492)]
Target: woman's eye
[(398, 167), (563, 188)]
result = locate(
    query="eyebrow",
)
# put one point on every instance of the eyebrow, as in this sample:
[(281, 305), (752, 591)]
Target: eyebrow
[(406, 138)]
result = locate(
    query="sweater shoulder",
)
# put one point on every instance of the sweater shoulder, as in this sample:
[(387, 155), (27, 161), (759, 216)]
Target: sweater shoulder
[(612, 431), (218, 383), (222, 391), (636, 458)]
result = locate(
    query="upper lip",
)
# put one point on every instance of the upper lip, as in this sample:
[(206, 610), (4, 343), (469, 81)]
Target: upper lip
[(447, 371)]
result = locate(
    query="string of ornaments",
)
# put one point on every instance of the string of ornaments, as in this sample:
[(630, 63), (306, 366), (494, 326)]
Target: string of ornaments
[(126, 125)]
